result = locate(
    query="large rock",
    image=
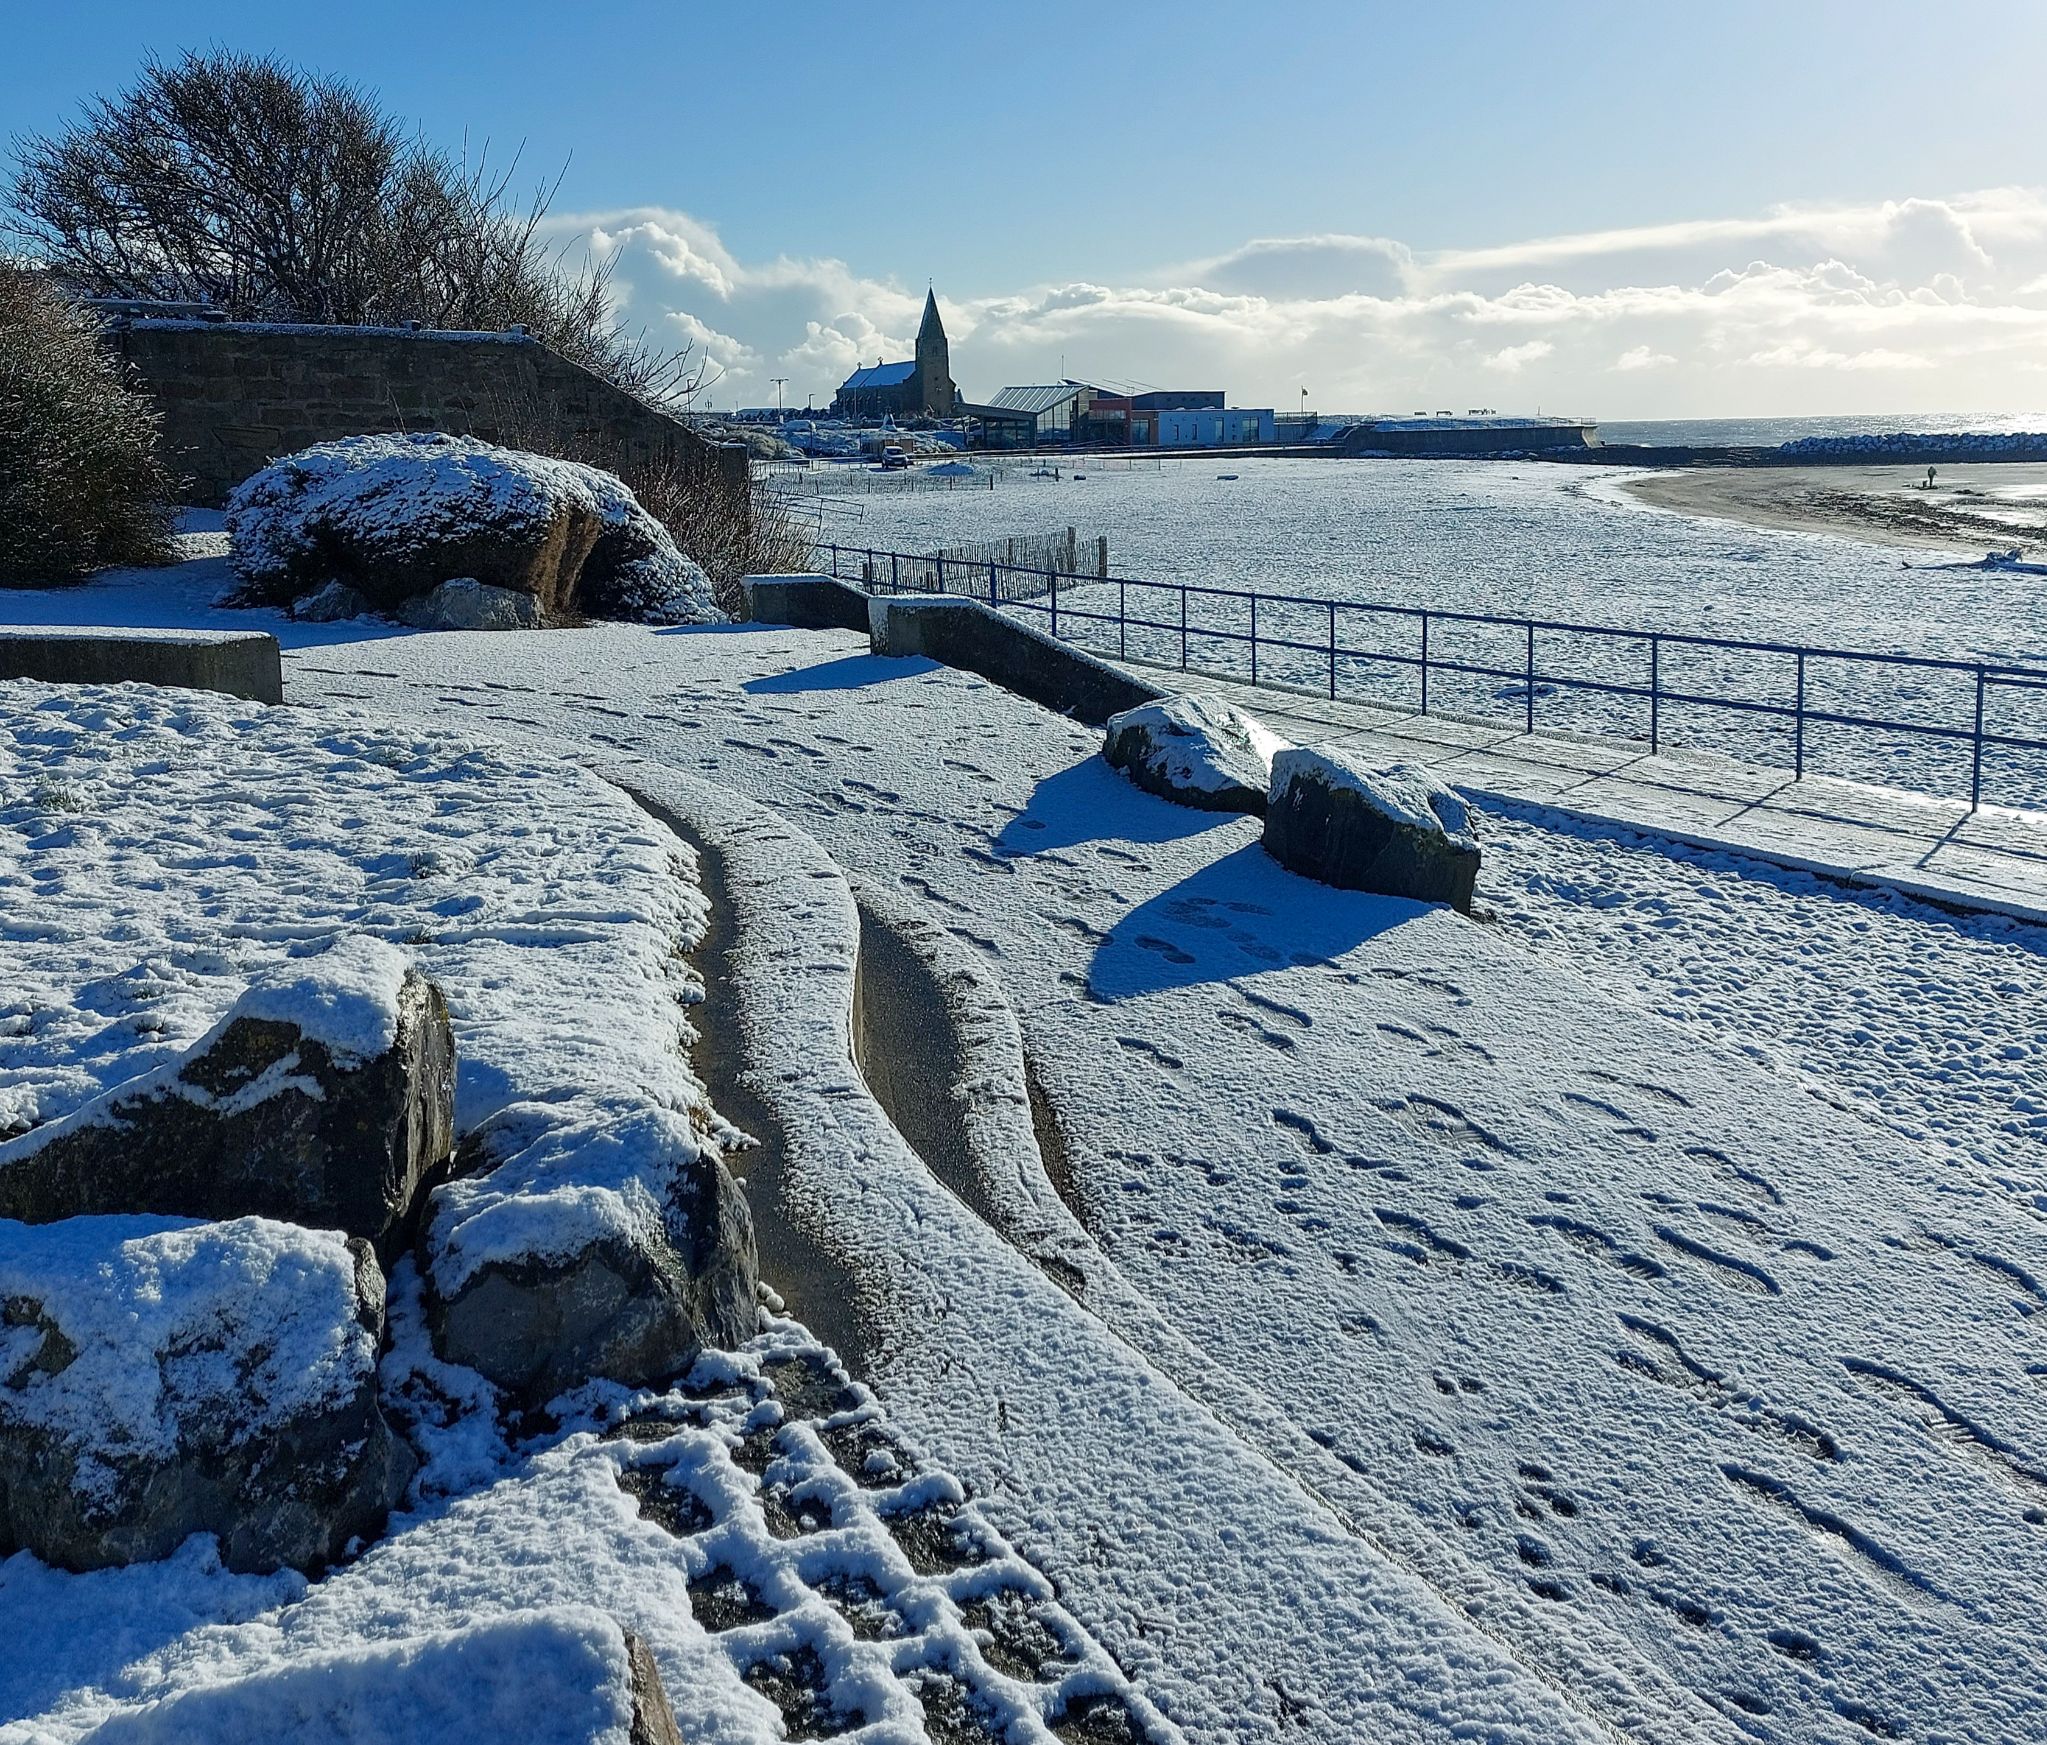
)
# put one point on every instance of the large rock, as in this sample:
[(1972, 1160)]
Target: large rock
[(1196, 750), (1389, 828), (396, 516), (589, 1241), (325, 1097), (159, 1380)]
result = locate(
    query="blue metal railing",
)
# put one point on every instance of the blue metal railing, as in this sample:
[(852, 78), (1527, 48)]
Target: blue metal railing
[(1229, 619)]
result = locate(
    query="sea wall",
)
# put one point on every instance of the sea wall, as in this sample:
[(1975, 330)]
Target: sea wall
[(236, 395)]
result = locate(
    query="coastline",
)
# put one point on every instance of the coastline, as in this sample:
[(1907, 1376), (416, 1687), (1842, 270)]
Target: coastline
[(1972, 507)]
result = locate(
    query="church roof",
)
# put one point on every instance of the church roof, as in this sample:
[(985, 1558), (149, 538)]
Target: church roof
[(878, 376)]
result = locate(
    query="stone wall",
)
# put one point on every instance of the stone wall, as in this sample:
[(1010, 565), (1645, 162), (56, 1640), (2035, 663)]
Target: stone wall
[(235, 396)]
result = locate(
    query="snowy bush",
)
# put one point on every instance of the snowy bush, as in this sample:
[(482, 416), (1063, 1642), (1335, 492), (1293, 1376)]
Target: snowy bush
[(395, 516), (81, 486)]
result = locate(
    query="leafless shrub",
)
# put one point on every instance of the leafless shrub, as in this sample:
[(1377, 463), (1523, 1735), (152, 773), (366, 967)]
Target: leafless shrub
[(81, 485), (278, 195), (730, 533)]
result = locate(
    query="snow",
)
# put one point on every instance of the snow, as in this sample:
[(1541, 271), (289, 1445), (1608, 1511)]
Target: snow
[(348, 1000), (553, 1677), (1559, 1300), (407, 492), (1203, 741), (142, 1302), (1404, 792), (1620, 1317)]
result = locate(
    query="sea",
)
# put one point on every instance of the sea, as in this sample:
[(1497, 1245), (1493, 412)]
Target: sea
[(1768, 432)]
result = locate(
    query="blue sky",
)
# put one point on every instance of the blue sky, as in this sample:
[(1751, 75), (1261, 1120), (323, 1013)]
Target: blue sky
[(1367, 199)]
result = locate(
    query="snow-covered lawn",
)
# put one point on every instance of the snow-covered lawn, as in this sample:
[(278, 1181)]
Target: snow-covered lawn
[(1651, 1270), (1708, 1379)]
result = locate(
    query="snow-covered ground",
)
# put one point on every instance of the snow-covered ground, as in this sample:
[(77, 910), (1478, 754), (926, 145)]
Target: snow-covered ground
[(1706, 1374), (1650, 1271), (1558, 543)]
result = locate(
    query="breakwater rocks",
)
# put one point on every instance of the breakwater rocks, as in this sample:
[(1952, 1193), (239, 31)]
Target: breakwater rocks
[(1908, 445)]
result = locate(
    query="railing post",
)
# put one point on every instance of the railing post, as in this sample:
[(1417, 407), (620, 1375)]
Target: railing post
[(1528, 676), (1798, 724), (895, 572), (940, 561), (1183, 627), (1332, 651), (994, 588), (1425, 663), (1254, 639), (1655, 699), (1122, 618), (1055, 605), (1976, 747)]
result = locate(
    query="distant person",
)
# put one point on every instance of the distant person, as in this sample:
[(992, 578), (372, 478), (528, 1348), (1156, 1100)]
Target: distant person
[(1929, 480)]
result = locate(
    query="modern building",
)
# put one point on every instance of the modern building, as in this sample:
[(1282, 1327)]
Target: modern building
[(921, 387), (1215, 427), (1029, 417)]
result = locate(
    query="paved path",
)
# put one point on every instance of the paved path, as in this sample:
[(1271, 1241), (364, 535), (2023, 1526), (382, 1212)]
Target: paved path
[(1992, 860)]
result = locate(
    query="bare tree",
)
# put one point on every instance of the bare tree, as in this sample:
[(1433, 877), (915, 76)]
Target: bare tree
[(275, 194)]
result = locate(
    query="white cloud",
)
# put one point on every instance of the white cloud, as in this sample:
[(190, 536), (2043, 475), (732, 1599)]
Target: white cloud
[(1923, 304)]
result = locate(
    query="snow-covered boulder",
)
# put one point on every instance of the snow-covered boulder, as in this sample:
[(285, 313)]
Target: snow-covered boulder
[(332, 604), (467, 604), (567, 1675), (1391, 828), (591, 1240), (1195, 749), (396, 516), (325, 1096), (161, 1379)]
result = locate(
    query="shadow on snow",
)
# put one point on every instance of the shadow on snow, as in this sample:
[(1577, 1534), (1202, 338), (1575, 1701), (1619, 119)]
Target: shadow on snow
[(851, 672), (1238, 916)]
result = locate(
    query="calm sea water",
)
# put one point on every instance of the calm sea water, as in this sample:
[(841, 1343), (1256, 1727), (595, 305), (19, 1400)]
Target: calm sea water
[(1706, 432)]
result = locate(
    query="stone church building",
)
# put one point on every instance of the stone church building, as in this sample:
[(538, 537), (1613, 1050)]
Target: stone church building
[(920, 388)]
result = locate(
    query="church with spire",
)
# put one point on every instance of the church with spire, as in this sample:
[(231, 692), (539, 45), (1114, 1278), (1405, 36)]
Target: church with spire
[(921, 387)]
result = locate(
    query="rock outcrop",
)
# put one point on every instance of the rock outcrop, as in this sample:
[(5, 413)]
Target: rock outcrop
[(598, 1242), (394, 517), (159, 1380), (1391, 828), (1196, 750), (325, 1097)]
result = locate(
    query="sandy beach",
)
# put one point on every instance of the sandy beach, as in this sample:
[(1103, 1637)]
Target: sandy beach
[(1970, 508)]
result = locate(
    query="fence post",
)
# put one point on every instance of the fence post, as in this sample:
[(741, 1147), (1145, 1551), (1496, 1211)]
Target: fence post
[(1528, 674), (1254, 639), (1055, 604), (1102, 556), (1183, 627), (1332, 651), (1122, 614), (1976, 748), (1798, 724), (1655, 699), (1425, 663), (895, 573), (940, 561), (994, 592)]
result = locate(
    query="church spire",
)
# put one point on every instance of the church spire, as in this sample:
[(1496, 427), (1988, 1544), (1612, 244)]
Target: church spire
[(931, 327)]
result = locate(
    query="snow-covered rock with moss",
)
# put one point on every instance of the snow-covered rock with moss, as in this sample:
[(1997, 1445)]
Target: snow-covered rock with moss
[(1195, 749), (396, 516), (160, 1379)]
